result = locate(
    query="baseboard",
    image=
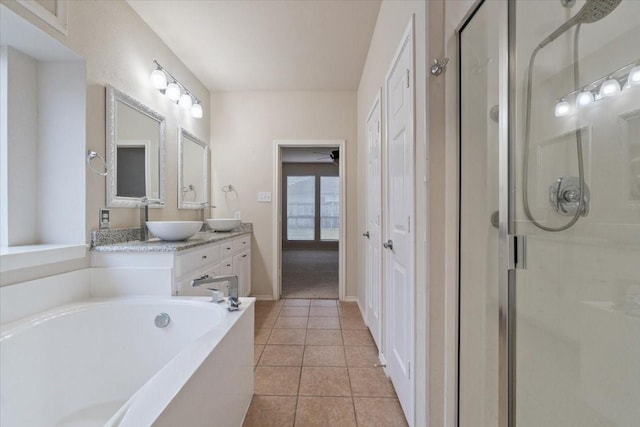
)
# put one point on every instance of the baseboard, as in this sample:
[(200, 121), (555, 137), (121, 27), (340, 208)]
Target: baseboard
[(263, 297)]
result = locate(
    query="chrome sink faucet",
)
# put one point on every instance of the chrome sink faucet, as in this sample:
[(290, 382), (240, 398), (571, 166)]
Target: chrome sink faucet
[(233, 303), (144, 217)]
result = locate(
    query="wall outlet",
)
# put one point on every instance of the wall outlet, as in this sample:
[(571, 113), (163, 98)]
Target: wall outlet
[(104, 218), (264, 196)]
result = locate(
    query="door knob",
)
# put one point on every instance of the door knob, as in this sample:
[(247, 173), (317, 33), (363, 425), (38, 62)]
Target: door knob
[(388, 245), (366, 234)]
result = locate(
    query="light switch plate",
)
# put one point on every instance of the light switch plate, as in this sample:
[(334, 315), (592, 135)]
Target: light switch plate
[(264, 196)]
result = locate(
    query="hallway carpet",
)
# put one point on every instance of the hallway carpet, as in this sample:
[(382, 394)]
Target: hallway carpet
[(309, 273), (315, 367)]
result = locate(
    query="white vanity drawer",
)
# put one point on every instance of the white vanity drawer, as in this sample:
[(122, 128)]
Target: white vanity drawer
[(226, 248), (226, 266), (197, 260), (241, 243)]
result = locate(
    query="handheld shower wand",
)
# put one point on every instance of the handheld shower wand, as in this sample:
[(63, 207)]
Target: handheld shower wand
[(592, 11)]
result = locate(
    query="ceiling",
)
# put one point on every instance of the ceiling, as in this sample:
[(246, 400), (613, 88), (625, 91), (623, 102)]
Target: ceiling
[(267, 45)]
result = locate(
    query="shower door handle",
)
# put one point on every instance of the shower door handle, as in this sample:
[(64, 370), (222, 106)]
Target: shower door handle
[(388, 244)]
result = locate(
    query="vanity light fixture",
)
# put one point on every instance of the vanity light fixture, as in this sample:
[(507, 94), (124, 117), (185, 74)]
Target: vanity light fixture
[(604, 87), (162, 80)]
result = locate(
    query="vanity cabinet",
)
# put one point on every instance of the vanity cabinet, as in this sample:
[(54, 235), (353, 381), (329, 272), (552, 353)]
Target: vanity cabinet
[(229, 256)]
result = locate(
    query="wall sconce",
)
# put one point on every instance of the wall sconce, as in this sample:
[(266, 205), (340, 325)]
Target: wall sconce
[(607, 86), (162, 80)]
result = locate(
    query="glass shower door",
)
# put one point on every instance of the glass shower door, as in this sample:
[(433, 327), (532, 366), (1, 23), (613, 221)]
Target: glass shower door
[(576, 111)]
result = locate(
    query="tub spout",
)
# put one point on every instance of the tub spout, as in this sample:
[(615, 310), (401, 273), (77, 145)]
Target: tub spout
[(233, 303)]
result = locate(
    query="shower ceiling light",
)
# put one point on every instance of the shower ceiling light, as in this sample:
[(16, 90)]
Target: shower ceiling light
[(175, 91), (609, 88), (584, 98), (562, 108)]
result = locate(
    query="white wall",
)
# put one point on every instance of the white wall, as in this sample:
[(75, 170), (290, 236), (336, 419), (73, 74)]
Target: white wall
[(393, 18), (243, 128), (119, 49)]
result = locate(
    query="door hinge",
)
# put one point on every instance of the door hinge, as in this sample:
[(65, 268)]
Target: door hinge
[(517, 252), (408, 81)]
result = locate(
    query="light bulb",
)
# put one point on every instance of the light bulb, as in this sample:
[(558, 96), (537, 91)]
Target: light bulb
[(609, 88), (173, 91), (196, 110), (584, 98), (185, 101), (158, 79), (634, 76), (562, 108)]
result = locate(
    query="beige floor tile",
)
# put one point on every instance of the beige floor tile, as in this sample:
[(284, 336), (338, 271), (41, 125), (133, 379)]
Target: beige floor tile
[(349, 311), (325, 411), (265, 303), (323, 303), (271, 411), (257, 351), (324, 355), (287, 336), (324, 337), (294, 311), (352, 322), (323, 323), (262, 322), (357, 337), (282, 355), (291, 323), (261, 335), (292, 302), (370, 382), (324, 382), (324, 311), (361, 355), (266, 310), (276, 380), (377, 412)]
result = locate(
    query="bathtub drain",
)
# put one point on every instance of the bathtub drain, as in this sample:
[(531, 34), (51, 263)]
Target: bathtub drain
[(162, 320)]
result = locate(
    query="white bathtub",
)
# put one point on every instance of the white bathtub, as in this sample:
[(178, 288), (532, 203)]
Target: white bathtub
[(104, 362)]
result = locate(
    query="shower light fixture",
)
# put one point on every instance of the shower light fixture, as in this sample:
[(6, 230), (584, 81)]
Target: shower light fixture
[(634, 76), (609, 88), (604, 87), (584, 98), (175, 91), (562, 108)]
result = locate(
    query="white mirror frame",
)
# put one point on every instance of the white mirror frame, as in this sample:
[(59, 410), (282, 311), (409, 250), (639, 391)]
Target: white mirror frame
[(113, 200), (182, 134)]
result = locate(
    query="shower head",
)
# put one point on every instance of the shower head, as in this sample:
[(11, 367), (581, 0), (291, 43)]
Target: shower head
[(592, 11)]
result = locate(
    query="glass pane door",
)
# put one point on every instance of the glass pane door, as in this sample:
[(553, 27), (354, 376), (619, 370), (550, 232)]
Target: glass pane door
[(301, 207), (478, 363), (577, 145)]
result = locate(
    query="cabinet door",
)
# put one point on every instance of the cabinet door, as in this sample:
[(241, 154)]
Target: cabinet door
[(226, 266), (242, 268)]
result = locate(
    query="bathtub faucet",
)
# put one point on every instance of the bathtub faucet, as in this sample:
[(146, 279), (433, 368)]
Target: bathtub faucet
[(233, 303)]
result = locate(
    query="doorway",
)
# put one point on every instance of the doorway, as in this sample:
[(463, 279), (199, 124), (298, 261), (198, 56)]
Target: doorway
[(309, 230)]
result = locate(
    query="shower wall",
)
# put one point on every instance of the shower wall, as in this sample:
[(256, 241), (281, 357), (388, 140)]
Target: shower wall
[(577, 332)]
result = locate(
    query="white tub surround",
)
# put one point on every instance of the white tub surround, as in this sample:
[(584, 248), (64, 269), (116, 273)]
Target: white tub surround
[(104, 362), (167, 268)]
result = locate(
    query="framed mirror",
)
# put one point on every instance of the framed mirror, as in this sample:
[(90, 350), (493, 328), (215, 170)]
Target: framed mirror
[(135, 152), (193, 167)]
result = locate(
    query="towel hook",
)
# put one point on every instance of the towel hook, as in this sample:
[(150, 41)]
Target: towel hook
[(437, 68), (92, 155)]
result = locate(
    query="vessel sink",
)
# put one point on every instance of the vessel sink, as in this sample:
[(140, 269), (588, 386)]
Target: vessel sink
[(174, 230), (223, 224)]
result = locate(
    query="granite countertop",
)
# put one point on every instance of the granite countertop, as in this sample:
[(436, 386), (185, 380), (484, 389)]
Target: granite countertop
[(157, 245)]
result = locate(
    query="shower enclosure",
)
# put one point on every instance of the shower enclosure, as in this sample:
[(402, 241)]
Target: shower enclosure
[(550, 214)]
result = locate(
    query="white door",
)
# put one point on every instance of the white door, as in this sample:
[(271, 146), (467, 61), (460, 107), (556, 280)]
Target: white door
[(399, 259), (373, 233)]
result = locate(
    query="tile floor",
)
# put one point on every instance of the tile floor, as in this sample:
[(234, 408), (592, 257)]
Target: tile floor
[(315, 367)]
